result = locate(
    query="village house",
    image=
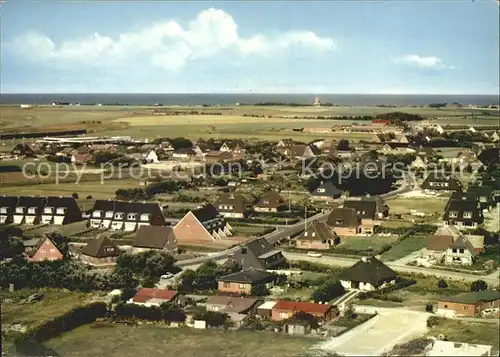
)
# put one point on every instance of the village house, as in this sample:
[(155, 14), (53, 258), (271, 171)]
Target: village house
[(448, 245), (233, 304), (214, 156), (242, 282), (344, 222), (326, 191), (471, 304), (160, 238), (484, 195), (23, 150), (155, 297), (257, 254), (184, 154), (418, 163), (29, 210), (100, 250), (271, 201), (367, 211), (60, 211), (463, 213), (152, 157), (45, 249), (367, 274), (301, 152), (317, 235), (202, 225), (436, 183), (284, 310), (125, 216), (231, 205), (286, 143), (201, 149), (456, 349)]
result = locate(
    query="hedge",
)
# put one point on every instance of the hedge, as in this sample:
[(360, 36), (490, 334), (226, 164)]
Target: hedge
[(28, 342), (400, 284), (167, 312)]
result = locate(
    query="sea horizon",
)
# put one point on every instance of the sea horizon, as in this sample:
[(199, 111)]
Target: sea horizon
[(245, 98)]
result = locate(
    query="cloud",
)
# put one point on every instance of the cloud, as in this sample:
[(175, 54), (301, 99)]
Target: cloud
[(430, 62), (167, 45)]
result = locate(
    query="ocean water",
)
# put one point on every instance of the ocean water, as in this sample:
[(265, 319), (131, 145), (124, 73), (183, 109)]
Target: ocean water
[(228, 99)]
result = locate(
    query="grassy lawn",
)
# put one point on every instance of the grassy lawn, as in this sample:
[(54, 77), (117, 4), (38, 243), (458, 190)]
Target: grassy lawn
[(428, 285), (363, 244), (426, 205), (67, 230), (466, 331), (55, 303), (249, 230), (404, 248), (125, 341)]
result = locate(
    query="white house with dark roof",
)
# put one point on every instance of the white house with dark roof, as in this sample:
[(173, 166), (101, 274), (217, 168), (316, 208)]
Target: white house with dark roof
[(367, 274), (125, 216)]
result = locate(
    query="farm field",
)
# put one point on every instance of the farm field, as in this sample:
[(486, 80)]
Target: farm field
[(126, 341), (427, 205), (139, 121)]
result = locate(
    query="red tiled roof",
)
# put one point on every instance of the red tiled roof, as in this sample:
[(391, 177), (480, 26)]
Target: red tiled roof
[(308, 307), (146, 294)]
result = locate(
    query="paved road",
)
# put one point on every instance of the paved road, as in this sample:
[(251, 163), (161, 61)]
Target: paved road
[(491, 279)]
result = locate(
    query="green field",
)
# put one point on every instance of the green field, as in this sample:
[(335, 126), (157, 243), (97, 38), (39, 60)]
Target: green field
[(361, 244), (126, 341), (277, 122), (427, 205), (404, 248)]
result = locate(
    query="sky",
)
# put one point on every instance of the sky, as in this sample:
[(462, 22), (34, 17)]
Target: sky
[(358, 47)]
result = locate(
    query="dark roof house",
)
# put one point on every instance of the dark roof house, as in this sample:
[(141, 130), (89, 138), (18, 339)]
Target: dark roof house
[(368, 270), (231, 205), (326, 189), (100, 247), (258, 254), (438, 182), (271, 200), (343, 217), (466, 213), (365, 209)]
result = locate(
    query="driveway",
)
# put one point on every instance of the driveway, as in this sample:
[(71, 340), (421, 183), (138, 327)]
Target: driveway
[(378, 335)]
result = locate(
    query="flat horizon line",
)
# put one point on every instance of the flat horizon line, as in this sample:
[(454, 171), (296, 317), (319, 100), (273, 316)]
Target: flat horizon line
[(247, 93)]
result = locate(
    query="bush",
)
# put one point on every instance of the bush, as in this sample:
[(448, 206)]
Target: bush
[(429, 307), (89, 197), (72, 319), (328, 291), (442, 284), (166, 312), (75, 195), (434, 321), (212, 318), (478, 285)]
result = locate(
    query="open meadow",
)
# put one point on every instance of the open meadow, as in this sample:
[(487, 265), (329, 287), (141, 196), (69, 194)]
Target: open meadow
[(246, 122), (127, 341)]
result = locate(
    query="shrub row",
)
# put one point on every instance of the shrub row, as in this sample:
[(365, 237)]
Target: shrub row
[(381, 294), (166, 312), (72, 319)]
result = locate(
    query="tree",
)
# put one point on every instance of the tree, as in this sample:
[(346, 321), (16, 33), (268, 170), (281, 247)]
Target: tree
[(127, 294), (478, 285), (442, 284), (10, 247), (349, 311), (429, 307), (328, 291), (212, 318), (259, 290), (343, 145), (89, 197), (75, 195)]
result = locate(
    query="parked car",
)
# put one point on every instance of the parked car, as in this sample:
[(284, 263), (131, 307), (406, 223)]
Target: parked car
[(167, 276), (314, 254)]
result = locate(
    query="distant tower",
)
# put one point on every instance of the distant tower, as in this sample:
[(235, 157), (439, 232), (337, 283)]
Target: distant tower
[(317, 103)]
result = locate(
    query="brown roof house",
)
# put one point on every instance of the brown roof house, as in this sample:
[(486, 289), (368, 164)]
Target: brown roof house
[(283, 310), (344, 222), (155, 297), (155, 238), (269, 202), (367, 274), (231, 205), (301, 151), (100, 250), (485, 302), (368, 211), (214, 156), (238, 308), (243, 281), (202, 225), (317, 235)]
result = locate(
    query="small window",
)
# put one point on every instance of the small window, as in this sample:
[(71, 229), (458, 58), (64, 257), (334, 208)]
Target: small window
[(462, 251), (445, 306), (313, 234), (468, 214), (321, 190), (305, 234), (339, 221), (226, 284), (242, 286), (31, 210), (3, 210), (453, 214)]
